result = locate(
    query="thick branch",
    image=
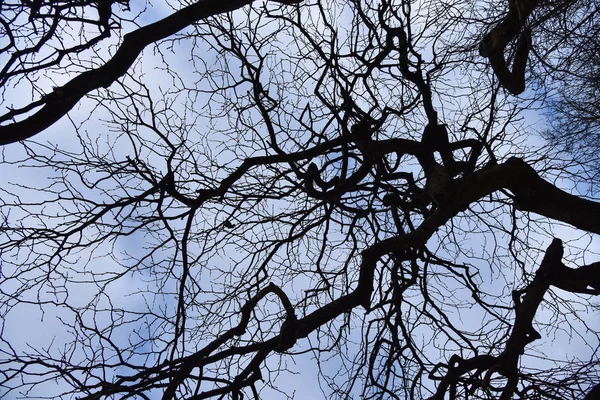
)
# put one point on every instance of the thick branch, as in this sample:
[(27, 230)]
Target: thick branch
[(58, 103), (522, 334), (495, 42), (532, 193)]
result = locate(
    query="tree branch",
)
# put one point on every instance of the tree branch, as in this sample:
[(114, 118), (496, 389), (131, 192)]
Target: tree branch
[(57, 104)]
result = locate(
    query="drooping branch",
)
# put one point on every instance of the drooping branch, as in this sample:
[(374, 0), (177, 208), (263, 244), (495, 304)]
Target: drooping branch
[(494, 44)]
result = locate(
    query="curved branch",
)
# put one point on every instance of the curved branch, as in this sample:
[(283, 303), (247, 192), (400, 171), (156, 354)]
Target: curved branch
[(57, 104), (523, 333), (495, 42), (532, 193)]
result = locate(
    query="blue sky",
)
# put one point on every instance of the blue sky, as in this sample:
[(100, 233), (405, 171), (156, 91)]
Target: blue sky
[(28, 326)]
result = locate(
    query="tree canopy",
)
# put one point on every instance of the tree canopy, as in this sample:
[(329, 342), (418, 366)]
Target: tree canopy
[(197, 195)]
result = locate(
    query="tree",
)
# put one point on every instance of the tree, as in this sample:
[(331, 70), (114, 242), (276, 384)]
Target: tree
[(573, 111), (335, 178)]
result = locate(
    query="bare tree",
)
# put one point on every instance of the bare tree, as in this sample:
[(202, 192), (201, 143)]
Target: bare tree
[(574, 116), (335, 178)]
